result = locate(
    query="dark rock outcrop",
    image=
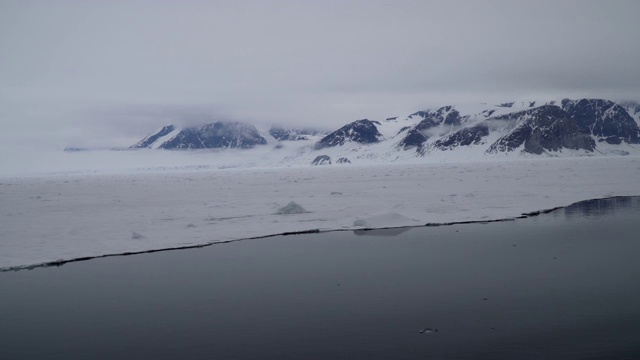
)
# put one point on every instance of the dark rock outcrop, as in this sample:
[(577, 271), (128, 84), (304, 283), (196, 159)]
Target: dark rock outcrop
[(321, 160), (546, 128), (488, 113), (343, 160), (216, 135), (282, 133), (361, 131), (433, 123), (472, 135), (604, 119), (73, 149)]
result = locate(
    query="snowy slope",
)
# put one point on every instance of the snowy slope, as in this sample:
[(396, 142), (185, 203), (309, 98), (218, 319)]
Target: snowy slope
[(633, 109), (156, 138), (217, 135), (163, 139)]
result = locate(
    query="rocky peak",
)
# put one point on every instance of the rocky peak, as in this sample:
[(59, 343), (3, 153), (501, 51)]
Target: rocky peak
[(604, 119), (472, 135), (433, 123), (361, 131), (216, 135), (545, 128)]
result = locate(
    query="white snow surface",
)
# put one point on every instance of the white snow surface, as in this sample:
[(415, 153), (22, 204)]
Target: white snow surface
[(161, 140), (46, 218)]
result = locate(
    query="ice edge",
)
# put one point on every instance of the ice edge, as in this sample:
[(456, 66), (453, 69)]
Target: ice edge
[(535, 213)]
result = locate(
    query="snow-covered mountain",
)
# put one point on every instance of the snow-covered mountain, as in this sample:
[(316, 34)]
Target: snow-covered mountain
[(209, 136), (537, 130), (563, 127), (543, 129), (361, 131), (633, 109), (434, 123), (156, 138), (283, 133), (604, 120)]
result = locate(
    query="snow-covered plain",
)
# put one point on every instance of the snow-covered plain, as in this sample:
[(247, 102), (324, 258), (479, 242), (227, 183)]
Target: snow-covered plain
[(46, 218)]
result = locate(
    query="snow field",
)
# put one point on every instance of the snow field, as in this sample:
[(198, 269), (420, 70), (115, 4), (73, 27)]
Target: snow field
[(47, 218)]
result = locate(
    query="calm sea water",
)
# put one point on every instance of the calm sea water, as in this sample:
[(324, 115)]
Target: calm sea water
[(564, 285)]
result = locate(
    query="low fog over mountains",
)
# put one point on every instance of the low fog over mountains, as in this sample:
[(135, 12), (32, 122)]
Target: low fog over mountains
[(568, 127)]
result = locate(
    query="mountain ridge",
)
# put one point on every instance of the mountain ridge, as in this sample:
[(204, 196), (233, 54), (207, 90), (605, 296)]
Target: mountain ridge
[(581, 127)]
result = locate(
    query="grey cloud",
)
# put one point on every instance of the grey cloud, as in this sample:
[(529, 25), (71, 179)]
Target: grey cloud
[(139, 64)]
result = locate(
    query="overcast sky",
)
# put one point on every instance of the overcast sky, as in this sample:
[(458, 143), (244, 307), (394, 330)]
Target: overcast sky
[(108, 71)]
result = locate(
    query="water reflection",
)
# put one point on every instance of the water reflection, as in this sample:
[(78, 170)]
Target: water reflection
[(600, 207), (382, 232), (542, 287)]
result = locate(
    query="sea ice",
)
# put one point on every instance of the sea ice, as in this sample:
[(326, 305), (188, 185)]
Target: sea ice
[(292, 208), (50, 217)]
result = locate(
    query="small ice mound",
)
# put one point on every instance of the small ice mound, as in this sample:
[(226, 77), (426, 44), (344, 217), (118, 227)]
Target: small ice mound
[(292, 208), (137, 236), (391, 219)]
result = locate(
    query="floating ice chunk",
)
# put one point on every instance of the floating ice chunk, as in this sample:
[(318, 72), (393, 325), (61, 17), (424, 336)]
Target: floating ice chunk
[(391, 219), (292, 208), (361, 222)]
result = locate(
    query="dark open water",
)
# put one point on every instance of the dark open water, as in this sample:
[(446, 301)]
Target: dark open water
[(564, 285)]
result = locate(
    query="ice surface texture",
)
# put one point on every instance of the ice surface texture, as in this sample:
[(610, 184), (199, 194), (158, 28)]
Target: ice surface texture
[(47, 218)]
